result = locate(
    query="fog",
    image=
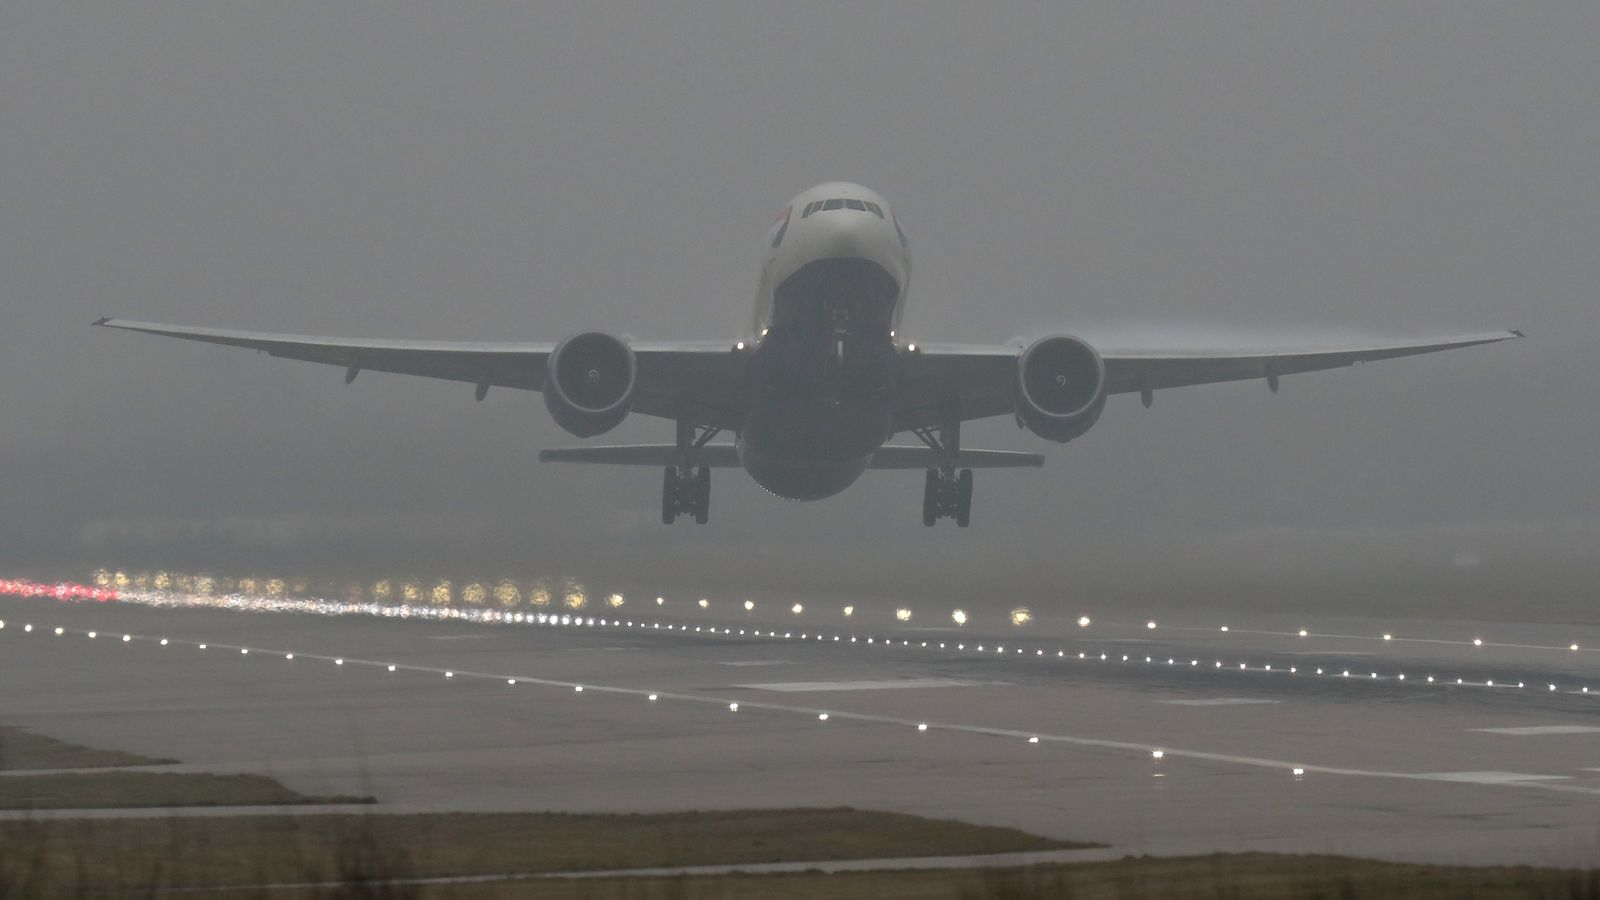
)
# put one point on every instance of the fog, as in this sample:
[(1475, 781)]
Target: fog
[(1182, 173)]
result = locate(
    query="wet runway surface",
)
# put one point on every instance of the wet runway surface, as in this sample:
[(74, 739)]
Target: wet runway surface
[(1175, 739)]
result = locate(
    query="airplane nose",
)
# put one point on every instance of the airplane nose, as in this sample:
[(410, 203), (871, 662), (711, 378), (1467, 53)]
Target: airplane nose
[(852, 236)]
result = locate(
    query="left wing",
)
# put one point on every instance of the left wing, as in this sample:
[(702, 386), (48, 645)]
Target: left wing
[(701, 379), (979, 381)]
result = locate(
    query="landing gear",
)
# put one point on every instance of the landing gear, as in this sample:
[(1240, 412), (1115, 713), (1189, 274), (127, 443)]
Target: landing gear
[(945, 492), (686, 488), (947, 496), (686, 491)]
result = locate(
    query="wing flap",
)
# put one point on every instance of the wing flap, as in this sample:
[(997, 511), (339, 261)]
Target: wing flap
[(726, 456)]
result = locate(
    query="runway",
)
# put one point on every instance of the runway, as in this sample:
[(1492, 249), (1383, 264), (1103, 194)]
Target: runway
[(1178, 738)]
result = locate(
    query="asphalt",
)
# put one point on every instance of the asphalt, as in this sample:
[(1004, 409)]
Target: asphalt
[(1192, 744)]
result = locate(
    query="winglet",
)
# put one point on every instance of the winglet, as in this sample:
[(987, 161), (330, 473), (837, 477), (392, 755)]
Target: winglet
[(101, 321), (1518, 332)]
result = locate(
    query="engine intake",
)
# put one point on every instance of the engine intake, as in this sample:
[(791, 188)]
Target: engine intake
[(1061, 388), (589, 386)]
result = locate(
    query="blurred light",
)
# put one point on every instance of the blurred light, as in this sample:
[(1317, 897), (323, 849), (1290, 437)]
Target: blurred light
[(441, 592), (1021, 616), (243, 651), (29, 628), (1573, 647), (1477, 642), (797, 609), (1298, 771), (577, 689), (1157, 754), (288, 656), (381, 590), (1224, 628), (59, 630), (849, 611), (652, 698), (1083, 621), (92, 634), (449, 674), (959, 616), (615, 600), (1388, 637), (822, 717), (660, 600), (733, 707), (749, 605), (1034, 739), (163, 642), (511, 681), (575, 599), (703, 603), (922, 726), (902, 614), (1150, 624), (391, 667), (474, 594), (337, 662), (410, 591)]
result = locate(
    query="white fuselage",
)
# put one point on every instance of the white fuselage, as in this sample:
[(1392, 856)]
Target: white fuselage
[(825, 361)]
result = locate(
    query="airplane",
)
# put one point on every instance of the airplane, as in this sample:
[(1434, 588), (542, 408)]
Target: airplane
[(822, 381)]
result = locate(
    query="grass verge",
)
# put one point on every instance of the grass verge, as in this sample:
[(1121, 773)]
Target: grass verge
[(97, 790), (128, 855), (22, 749)]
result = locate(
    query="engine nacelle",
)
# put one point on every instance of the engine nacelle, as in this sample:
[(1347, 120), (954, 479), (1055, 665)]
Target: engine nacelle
[(1061, 388), (589, 386)]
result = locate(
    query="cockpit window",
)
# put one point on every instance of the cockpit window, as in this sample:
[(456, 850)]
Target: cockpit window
[(817, 206)]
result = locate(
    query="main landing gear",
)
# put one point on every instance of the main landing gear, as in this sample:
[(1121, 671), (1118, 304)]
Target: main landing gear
[(686, 488), (946, 493)]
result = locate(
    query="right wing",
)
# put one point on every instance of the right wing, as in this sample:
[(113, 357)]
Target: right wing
[(699, 380), (976, 381)]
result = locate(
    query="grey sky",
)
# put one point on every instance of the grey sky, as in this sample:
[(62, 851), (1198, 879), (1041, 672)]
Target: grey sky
[(521, 171)]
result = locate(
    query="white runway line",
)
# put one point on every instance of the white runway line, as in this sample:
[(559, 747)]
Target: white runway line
[(800, 687), (1528, 730), (1220, 701)]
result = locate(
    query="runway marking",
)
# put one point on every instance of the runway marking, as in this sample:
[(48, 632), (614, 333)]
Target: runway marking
[(756, 662), (1542, 729), (1220, 701), (460, 637), (1299, 770), (1495, 778), (799, 687)]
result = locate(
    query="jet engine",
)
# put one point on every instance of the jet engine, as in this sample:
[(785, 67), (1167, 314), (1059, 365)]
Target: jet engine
[(589, 386), (1061, 388)]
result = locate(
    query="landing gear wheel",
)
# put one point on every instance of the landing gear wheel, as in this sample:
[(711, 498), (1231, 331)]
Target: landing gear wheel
[(669, 496), (947, 496), (702, 495)]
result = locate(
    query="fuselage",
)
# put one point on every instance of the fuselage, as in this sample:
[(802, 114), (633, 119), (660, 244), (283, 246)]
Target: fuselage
[(825, 357)]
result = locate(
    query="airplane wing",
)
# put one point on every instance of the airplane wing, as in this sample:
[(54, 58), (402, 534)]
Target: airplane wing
[(726, 456), (979, 381), (700, 378)]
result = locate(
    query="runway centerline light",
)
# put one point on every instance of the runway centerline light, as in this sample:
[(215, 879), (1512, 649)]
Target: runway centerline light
[(577, 688), (822, 717), (339, 661), (288, 656), (1477, 642), (1223, 628), (1302, 632), (1034, 739), (163, 642), (1298, 771), (653, 698), (1158, 754), (1573, 648), (244, 651), (1150, 624), (125, 638), (60, 631), (449, 674), (922, 726), (733, 707), (391, 667), (92, 635)]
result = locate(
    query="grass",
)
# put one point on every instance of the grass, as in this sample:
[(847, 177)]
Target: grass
[(96, 790), (213, 851), (22, 749)]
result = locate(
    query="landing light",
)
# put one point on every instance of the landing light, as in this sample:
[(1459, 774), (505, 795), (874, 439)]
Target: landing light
[(822, 717), (922, 726), (797, 609), (1083, 621), (749, 605), (1157, 754), (733, 707), (1150, 624)]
